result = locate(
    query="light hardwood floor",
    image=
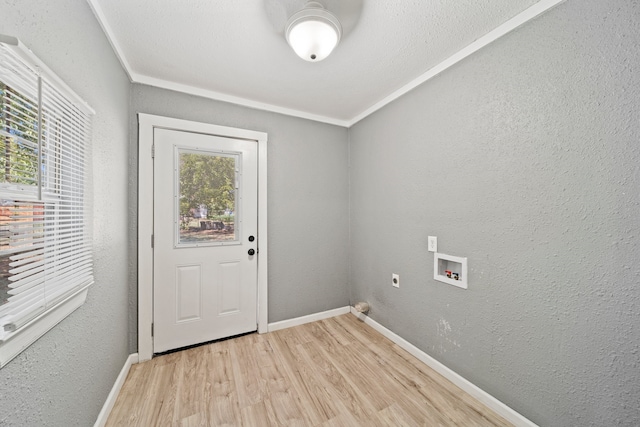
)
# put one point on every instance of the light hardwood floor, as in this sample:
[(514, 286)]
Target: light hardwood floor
[(335, 372)]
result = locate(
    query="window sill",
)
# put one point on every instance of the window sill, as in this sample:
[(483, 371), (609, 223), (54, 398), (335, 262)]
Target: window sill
[(12, 344)]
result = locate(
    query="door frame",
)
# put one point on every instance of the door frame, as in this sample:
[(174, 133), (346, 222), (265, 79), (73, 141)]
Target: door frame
[(146, 125)]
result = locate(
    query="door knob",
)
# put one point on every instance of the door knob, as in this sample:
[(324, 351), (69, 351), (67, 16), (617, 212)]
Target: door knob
[(252, 252)]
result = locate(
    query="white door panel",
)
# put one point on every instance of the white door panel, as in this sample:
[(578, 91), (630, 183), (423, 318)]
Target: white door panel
[(188, 292), (205, 209)]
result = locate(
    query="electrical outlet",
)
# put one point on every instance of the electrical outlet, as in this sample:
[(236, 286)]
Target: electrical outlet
[(433, 244), (395, 280)]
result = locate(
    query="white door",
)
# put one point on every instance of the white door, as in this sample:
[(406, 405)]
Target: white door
[(205, 238)]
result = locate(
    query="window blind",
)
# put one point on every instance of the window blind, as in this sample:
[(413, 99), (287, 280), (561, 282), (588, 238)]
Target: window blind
[(45, 240)]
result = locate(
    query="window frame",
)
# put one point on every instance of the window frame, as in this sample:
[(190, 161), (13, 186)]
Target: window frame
[(12, 343)]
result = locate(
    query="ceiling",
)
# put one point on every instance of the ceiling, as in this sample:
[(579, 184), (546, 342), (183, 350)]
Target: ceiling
[(236, 51)]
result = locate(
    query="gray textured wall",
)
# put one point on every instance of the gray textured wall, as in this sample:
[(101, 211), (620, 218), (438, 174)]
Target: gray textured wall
[(64, 378), (307, 201), (525, 159)]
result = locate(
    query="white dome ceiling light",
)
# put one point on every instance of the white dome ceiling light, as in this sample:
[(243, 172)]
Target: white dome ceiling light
[(313, 32)]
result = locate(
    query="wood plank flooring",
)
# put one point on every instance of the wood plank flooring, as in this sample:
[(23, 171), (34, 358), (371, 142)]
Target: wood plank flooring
[(335, 372)]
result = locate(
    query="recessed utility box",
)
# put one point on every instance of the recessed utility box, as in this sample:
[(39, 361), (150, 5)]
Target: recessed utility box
[(450, 269)]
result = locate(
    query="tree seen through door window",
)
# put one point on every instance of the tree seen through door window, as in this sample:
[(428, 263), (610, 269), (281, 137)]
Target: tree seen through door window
[(207, 196)]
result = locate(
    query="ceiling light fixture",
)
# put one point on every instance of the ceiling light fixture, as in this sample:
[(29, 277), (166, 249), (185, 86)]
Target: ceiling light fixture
[(313, 32)]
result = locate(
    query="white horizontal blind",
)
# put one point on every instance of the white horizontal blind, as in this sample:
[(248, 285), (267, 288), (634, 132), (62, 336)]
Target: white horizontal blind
[(45, 246), (19, 125)]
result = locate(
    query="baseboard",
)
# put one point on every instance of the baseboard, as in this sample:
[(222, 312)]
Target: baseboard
[(488, 400), (115, 390), (308, 319)]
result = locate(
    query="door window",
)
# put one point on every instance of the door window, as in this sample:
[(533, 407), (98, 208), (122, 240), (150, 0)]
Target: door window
[(207, 185)]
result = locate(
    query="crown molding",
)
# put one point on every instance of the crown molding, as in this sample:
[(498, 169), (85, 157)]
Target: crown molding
[(102, 20), (515, 22), (510, 25), (219, 96)]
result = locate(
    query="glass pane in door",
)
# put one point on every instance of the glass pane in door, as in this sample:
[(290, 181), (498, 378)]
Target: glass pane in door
[(207, 197)]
